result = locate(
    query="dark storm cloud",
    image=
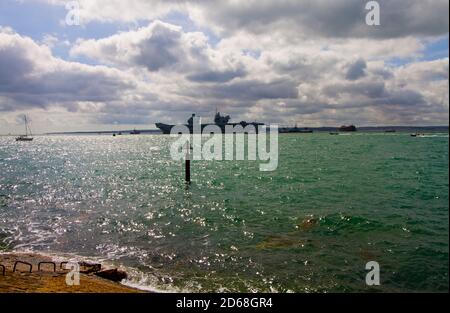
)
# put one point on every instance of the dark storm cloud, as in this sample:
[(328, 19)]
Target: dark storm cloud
[(61, 88), (161, 50), (356, 70), (366, 94), (216, 76), (404, 97), (325, 18), (339, 18), (13, 66)]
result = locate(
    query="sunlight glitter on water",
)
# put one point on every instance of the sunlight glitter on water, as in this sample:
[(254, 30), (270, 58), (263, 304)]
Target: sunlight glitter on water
[(334, 203)]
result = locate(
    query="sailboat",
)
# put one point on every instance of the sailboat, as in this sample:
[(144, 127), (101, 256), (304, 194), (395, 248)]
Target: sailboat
[(28, 135)]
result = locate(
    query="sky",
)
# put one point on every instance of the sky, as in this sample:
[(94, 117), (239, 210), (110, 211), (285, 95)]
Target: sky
[(130, 64)]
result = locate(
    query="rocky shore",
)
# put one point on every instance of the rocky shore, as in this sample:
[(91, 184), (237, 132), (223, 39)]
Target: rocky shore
[(36, 273)]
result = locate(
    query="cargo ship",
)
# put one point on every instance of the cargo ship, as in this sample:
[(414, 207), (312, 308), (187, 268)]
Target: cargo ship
[(349, 128), (283, 130)]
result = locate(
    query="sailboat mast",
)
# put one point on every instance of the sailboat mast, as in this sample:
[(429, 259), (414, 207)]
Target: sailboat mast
[(26, 127)]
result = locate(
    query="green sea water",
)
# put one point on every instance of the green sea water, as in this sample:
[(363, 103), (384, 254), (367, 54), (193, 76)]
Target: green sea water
[(333, 204)]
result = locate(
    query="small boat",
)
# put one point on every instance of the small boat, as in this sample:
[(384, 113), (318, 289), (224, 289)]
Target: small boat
[(347, 128), (334, 134), (28, 135), (134, 132)]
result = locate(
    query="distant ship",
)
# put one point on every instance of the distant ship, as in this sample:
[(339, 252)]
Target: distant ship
[(295, 130), (219, 120), (28, 135), (349, 128), (134, 132)]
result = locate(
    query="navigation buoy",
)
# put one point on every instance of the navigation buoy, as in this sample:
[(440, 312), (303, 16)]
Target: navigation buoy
[(187, 163)]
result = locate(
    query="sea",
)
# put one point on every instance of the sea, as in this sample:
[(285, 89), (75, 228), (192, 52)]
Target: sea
[(333, 204)]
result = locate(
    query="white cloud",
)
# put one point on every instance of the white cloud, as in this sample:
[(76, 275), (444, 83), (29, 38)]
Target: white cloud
[(322, 18), (159, 46), (49, 40), (287, 61), (32, 76)]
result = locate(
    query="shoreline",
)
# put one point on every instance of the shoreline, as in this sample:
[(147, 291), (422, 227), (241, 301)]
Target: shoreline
[(51, 276)]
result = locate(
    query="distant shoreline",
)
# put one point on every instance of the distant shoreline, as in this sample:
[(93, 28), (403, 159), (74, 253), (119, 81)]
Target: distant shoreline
[(315, 129)]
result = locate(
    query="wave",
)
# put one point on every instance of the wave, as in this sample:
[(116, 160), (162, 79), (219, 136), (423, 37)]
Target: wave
[(433, 136), (136, 279)]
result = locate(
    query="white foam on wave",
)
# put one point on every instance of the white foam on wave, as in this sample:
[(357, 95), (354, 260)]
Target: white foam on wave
[(136, 279), (433, 136)]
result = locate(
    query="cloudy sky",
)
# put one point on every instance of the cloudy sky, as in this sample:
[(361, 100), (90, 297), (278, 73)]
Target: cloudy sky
[(136, 62)]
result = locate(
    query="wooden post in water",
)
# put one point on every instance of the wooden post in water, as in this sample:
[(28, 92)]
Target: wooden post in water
[(187, 163)]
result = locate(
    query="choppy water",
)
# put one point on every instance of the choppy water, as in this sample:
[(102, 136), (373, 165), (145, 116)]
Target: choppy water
[(367, 196)]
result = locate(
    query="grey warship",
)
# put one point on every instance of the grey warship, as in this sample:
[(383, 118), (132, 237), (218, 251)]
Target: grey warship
[(219, 120)]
